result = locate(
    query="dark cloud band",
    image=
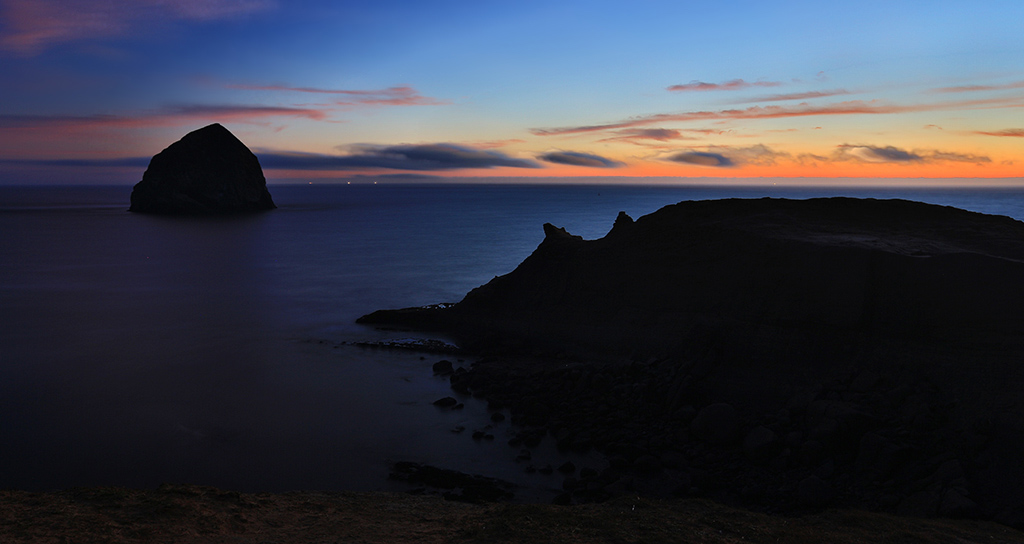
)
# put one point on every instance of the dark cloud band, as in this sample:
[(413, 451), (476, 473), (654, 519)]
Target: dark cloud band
[(573, 158), (701, 158), (427, 157)]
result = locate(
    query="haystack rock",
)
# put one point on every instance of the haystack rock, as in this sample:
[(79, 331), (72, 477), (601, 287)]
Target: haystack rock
[(208, 171)]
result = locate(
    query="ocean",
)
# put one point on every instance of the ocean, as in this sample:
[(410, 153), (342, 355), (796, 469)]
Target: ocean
[(138, 350)]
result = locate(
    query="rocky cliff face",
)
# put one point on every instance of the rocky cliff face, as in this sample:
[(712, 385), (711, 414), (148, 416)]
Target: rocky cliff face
[(208, 171)]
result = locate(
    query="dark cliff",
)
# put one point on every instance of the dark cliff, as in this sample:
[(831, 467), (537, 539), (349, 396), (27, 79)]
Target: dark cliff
[(761, 273), (208, 171), (864, 353)]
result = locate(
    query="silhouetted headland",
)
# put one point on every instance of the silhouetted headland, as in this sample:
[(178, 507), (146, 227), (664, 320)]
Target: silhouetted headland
[(208, 171), (757, 271), (778, 353)]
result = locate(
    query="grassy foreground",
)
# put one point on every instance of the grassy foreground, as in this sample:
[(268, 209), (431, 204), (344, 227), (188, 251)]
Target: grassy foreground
[(208, 515)]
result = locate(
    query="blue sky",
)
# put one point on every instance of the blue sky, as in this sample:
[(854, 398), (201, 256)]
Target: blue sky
[(329, 90)]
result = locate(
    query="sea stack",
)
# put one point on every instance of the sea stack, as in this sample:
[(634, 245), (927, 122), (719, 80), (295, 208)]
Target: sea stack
[(208, 171)]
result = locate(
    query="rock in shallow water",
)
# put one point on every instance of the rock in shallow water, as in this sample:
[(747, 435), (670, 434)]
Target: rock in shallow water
[(208, 171)]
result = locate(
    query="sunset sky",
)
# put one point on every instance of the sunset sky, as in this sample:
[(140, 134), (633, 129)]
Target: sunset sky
[(91, 89)]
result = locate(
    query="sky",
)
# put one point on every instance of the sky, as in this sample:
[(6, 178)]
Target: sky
[(340, 90)]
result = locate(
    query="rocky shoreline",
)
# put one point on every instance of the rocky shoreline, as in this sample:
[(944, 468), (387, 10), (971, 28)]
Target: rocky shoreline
[(858, 441), (777, 355)]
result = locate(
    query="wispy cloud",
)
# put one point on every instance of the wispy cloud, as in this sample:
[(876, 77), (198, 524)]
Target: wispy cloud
[(31, 26), (1010, 132), (574, 158), (494, 144), (206, 10), (729, 157), (732, 85), (796, 96), (402, 95), (950, 156), (975, 88), (644, 135), (894, 155), (133, 162), (850, 107), (755, 112), (759, 155), (168, 116), (659, 134), (423, 157)]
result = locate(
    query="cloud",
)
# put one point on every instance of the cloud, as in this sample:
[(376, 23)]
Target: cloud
[(728, 157), (758, 155), (949, 156), (132, 162), (656, 134), (573, 158), (700, 158), (976, 88), (659, 134), (762, 155), (208, 10), (424, 157), (402, 95), (493, 144), (32, 26), (811, 159), (756, 112), (1010, 132), (867, 153), (732, 85), (894, 155), (168, 116), (851, 107), (797, 96), (216, 111)]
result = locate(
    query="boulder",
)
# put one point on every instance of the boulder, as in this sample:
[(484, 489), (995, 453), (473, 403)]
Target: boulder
[(814, 492), (443, 368), (208, 171), (446, 402), (760, 444), (719, 424)]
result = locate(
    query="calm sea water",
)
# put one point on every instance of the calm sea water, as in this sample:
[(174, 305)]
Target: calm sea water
[(137, 350)]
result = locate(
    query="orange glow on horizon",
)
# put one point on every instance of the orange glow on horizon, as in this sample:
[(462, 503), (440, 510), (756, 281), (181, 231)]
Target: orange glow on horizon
[(668, 170)]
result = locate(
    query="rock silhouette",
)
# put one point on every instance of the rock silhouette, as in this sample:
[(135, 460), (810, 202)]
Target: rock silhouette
[(763, 272), (777, 353), (208, 171)]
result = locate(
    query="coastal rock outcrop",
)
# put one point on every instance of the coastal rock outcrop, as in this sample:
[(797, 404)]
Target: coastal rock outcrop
[(208, 171), (768, 273), (782, 353)]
